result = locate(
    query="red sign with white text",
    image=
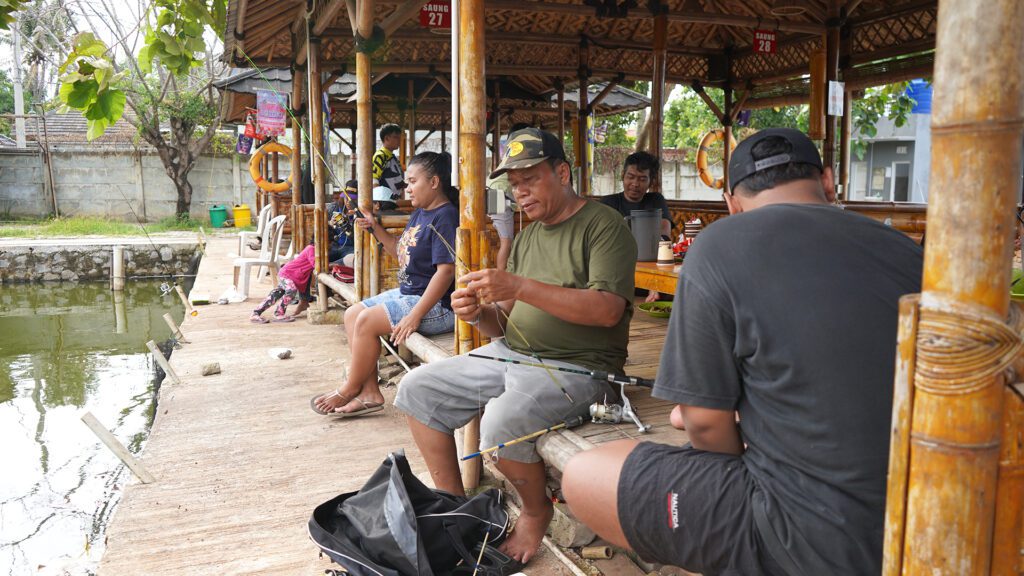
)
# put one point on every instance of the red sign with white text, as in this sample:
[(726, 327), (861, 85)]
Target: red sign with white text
[(436, 14), (764, 41)]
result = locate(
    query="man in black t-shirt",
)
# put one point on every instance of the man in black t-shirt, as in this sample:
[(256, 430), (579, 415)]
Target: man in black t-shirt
[(786, 313), (638, 171)]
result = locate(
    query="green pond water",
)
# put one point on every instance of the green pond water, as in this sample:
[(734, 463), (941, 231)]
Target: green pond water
[(66, 349)]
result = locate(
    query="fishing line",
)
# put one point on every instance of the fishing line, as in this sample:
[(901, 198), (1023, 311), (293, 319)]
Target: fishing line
[(508, 319)]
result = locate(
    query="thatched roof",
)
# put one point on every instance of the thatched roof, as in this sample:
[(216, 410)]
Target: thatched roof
[(537, 44)]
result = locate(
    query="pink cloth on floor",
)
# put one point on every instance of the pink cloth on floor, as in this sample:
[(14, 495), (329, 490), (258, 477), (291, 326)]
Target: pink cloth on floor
[(298, 269)]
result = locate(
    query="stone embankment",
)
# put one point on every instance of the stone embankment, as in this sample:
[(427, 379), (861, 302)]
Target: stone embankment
[(89, 259)]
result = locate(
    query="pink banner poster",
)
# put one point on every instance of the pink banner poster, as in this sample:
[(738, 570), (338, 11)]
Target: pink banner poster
[(270, 112)]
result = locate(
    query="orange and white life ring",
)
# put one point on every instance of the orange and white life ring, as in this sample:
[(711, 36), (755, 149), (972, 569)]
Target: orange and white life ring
[(257, 159), (702, 157)]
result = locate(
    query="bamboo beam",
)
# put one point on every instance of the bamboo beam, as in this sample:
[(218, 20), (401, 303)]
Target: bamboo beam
[(727, 120), (472, 164), (401, 15), (963, 339), (239, 30), (426, 92)]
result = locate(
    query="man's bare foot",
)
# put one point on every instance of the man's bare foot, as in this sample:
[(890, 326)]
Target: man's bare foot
[(522, 544), (362, 402)]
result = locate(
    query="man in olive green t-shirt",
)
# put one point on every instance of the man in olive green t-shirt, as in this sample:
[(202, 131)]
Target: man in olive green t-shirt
[(565, 301)]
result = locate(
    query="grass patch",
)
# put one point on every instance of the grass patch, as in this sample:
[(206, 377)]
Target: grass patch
[(91, 226)]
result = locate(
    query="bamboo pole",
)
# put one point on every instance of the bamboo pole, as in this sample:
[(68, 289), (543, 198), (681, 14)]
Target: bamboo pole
[(472, 165), (296, 159), (658, 93), (963, 343), (582, 115), (1006, 553), (727, 118), (163, 362), (317, 160), (561, 113), (831, 75), (495, 126), (175, 329), (117, 448), (365, 139), (117, 269)]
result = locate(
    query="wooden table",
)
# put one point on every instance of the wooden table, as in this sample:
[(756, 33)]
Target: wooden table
[(651, 276)]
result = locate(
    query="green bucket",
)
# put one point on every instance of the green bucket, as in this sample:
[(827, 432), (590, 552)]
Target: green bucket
[(218, 215)]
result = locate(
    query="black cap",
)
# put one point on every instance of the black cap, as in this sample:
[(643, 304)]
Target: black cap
[(529, 147), (742, 163)]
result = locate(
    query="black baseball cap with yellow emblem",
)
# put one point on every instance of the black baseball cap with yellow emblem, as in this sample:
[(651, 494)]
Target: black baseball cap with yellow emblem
[(527, 148)]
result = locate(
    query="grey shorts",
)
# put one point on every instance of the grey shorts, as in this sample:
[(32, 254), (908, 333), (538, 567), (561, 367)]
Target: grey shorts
[(693, 509), (519, 400)]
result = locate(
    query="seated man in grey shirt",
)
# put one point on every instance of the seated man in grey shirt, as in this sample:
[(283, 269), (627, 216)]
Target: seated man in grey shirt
[(786, 313)]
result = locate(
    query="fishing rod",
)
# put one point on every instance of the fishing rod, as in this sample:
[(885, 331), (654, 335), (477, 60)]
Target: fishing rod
[(595, 374), (508, 319), (600, 412), (575, 421)]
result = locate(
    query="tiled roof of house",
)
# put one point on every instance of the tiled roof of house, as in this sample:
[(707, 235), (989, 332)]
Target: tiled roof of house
[(63, 129)]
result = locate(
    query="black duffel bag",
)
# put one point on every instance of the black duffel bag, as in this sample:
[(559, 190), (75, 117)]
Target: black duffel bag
[(397, 526)]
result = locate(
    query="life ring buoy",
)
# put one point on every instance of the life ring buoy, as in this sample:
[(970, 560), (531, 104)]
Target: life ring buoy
[(702, 157), (257, 159)]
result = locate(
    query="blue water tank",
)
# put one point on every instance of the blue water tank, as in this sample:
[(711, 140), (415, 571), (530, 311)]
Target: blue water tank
[(921, 92)]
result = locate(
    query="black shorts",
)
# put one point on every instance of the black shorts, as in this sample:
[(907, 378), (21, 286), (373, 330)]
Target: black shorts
[(690, 508)]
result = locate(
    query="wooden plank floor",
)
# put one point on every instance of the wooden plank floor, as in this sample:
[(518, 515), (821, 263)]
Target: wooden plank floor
[(240, 459)]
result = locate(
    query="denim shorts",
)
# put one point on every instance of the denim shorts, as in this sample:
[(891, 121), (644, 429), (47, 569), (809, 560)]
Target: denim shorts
[(437, 320)]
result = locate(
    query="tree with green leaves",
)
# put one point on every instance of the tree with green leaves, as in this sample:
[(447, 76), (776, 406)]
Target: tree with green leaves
[(167, 86)]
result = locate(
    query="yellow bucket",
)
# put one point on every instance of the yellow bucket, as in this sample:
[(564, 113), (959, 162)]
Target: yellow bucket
[(243, 217)]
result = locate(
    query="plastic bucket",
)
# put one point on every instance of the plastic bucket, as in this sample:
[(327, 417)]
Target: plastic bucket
[(646, 226), (218, 215), (243, 217)]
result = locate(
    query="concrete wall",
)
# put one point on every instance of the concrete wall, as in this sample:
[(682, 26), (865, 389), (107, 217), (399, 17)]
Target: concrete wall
[(38, 261), (98, 182), (108, 183)]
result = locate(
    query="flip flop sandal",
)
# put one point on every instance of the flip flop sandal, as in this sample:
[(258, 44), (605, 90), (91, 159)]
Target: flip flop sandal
[(284, 319), (333, 393), (258, 320), (368, 408)]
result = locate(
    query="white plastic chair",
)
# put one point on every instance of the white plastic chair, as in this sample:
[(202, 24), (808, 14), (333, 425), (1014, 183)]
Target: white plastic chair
[(269, 255), (245, 236)]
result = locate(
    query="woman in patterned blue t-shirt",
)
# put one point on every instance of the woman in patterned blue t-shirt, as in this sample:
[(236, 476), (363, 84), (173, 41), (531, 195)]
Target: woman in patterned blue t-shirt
[(426, 278)]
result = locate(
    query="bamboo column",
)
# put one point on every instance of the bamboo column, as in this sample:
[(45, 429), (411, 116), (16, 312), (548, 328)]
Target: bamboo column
[(959, 417), (296, 160), (658, 92), (828, 155), (317, 161), (472, 165), (583, 115), (495, 126), (561, 112), (727, 119), (365, 140)]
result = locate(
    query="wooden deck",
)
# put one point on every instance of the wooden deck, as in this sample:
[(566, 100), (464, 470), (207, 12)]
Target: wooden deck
[(239, 458)]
